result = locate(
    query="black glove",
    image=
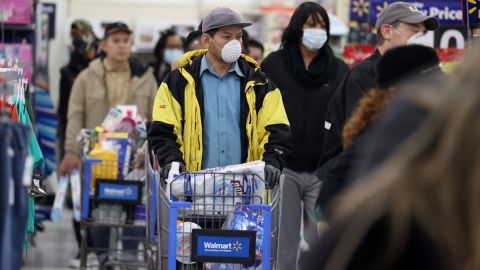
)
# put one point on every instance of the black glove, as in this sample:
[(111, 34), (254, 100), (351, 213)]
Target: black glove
[(167, 167), (272, 175)]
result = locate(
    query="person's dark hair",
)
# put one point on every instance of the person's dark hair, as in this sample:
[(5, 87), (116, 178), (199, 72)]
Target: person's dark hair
[(192, 36), (162, 42), (380, 38), (256, 44), (293, 33), (212, 32), (245, 40)]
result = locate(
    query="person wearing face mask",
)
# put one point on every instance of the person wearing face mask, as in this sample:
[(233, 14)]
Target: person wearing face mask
[(307, 73), (168, 49), (218, 108), (399, 24), (84, 49)]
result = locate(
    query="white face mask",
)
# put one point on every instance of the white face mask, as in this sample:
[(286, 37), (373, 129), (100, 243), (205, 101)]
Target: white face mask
[(418, 39), (171, 55), (231, 51), (314, 38)]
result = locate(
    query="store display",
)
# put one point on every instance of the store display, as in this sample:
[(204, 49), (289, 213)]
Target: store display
[(16, 11), (20, 157)]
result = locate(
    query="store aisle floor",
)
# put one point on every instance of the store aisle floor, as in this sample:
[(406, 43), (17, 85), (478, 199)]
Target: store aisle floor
[(55, 247)]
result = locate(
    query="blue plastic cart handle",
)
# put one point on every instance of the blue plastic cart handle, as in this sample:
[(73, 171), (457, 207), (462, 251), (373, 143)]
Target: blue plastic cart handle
[(86, 188), (267, 234), (172, 231), (154, 204)]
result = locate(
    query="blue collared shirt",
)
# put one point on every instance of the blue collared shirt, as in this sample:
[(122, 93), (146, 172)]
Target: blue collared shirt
[(221, 122)]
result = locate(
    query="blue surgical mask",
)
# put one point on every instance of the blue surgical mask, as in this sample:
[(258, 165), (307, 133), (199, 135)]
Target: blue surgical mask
[(171, 55), (314, 38)]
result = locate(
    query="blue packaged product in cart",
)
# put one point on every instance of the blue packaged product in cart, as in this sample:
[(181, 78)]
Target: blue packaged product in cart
[(244, 219)]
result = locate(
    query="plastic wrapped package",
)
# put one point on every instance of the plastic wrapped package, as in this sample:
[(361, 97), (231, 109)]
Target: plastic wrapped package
[(218, 190)]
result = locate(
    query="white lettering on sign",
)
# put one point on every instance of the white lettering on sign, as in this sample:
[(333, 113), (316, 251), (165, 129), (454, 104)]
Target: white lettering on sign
[(210, 245), (455, 34), (445, 13), (114, 192)]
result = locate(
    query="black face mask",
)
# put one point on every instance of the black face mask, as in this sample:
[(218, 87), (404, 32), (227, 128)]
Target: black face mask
[(79, 45)]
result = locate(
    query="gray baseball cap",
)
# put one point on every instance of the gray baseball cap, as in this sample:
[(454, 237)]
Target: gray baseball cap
[(406, 13), (222, 17)]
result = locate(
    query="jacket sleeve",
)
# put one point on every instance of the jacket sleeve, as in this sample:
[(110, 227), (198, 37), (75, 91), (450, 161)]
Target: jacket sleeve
[(274, 129), (165, 132), (76, 115), (352, 88)]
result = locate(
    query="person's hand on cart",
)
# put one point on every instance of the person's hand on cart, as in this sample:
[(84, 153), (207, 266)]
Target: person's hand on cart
[(68, 165), (272, 175), (166, 169)]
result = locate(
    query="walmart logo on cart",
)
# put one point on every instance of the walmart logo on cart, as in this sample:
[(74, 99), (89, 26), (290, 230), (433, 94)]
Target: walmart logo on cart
[(216, 247)]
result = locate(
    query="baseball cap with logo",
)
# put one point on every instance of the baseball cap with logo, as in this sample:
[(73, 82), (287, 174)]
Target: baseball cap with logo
[(116, 27), (222, 17), (406, 13)]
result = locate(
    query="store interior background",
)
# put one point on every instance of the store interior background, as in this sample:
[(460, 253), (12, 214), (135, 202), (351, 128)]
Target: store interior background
[(146, 15)]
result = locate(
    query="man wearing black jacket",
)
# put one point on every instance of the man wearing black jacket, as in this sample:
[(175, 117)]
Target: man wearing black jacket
[(399, 24)]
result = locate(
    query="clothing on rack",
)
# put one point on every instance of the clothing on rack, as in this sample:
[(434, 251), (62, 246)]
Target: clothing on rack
[(18, 145), (14, 138)]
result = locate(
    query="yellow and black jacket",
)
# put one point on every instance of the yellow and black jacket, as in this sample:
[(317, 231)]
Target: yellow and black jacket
[(176, 131)]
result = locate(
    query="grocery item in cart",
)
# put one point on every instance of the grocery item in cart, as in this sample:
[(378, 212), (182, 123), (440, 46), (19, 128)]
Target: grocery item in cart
[(245, 219), (184, 241), (218, 190), (107, 169)]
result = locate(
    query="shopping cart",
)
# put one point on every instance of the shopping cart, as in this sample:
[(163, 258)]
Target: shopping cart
[(151, 184), (111, 215), (215, 221)]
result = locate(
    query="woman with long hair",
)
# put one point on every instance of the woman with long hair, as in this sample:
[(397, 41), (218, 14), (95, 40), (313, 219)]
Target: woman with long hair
[(307, 73), (420, 209)]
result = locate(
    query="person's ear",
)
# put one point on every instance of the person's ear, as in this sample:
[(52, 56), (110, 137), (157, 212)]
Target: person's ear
[(205, 41), (387, 32)]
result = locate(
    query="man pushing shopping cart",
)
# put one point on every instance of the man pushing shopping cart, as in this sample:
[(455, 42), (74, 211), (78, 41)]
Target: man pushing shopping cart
[(218, 109)]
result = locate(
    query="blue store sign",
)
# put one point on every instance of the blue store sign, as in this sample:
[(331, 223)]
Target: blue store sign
[(472, 8), (121, 191), (448, 12), (223, 246)]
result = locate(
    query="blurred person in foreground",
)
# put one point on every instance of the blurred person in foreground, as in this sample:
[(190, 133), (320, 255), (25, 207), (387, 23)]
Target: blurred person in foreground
[(256, 50), (169, 48), (412, 63), (399, 24), (218, 108), (307, 73), (419, 210)]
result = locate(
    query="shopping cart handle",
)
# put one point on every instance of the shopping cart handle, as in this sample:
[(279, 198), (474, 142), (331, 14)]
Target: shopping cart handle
[(180, 205), (260, 207)]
